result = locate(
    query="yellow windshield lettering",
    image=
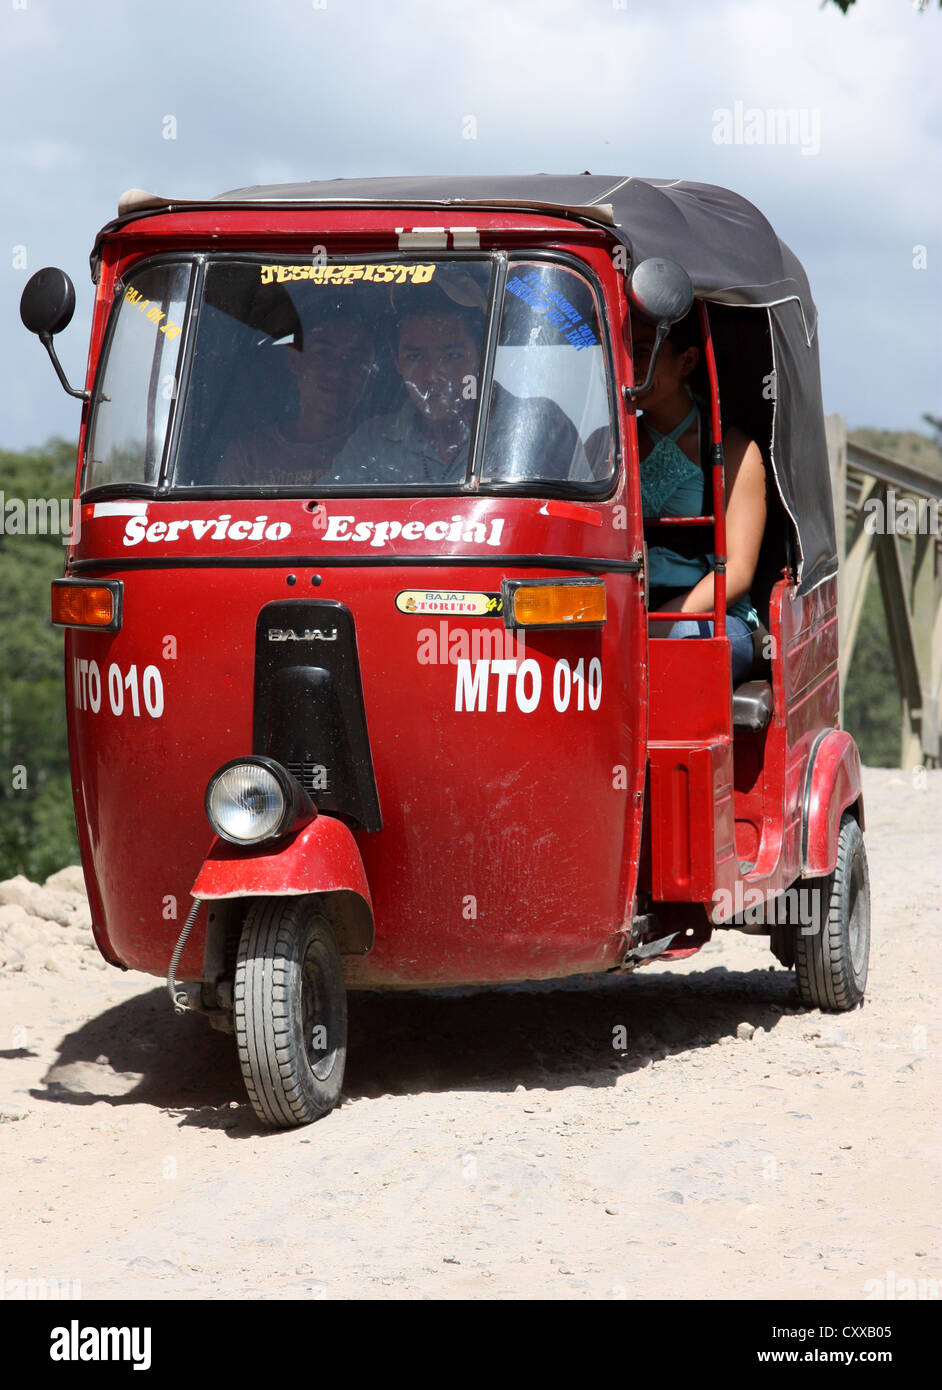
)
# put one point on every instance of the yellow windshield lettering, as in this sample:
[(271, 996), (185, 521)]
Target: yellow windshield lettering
[(400, 273)]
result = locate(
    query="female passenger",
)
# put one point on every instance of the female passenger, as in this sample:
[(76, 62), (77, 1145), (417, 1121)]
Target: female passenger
[(673, 438)]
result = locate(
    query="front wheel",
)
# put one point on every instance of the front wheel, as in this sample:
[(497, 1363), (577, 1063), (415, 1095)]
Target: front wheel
[(290, 1012), (832, 951)]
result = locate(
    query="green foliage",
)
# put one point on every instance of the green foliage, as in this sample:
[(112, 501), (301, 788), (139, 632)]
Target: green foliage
[(37, 823), (907, 446), (873, 709), (845, 5), (935, 424)]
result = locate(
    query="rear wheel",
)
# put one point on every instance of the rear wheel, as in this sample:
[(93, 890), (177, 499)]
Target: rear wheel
[(832, 949), (290, 1012)]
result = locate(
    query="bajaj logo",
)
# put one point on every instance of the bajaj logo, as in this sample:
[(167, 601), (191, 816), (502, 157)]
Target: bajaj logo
[(310, 634)]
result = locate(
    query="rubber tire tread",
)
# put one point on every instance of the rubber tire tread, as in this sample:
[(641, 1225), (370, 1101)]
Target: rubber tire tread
[(281, 1087), (823, 963)]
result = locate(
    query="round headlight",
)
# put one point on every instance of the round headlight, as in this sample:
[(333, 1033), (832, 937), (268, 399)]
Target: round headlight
[(246, 802)]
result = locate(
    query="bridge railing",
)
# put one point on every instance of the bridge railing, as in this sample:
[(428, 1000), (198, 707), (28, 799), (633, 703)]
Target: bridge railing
[(895, 515)]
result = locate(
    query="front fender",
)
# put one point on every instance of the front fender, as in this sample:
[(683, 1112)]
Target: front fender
[(322, 858), (832, 784)]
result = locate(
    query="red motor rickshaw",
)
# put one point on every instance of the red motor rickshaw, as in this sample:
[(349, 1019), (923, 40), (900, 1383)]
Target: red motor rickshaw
[(379, 707)]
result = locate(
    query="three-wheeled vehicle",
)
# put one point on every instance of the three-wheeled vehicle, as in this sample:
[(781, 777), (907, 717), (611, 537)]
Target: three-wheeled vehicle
[(363, 688)]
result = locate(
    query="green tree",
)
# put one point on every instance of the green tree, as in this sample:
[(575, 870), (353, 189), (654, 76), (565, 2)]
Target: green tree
[(935, 424), (37, 822), (844, 5), (873, 709)]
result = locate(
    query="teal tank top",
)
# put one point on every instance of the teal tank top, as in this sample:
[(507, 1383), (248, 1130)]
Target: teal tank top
[(673, 485)]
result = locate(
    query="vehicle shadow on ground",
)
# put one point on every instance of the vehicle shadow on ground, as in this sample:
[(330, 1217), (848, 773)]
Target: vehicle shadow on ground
[(584, 1032), (550, 1035)]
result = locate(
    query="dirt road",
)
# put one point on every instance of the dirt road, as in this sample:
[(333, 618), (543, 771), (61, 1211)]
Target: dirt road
[(502, 1144)]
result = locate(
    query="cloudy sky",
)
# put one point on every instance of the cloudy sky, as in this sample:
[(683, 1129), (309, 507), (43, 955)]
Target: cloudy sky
[(297, 89)]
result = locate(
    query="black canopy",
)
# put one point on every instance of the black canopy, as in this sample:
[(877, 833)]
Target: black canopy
[(727, 247)]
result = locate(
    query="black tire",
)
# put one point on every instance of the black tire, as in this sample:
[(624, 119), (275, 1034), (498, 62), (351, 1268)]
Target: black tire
[(831, 959), (782, 944), (288, 986)]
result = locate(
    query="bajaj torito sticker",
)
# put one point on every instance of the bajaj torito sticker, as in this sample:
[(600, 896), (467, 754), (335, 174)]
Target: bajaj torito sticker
[(423, 601), (400, 274)]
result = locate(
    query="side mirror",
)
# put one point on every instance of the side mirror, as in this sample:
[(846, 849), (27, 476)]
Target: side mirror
[(46, 307), (48, 301), (659, 290)]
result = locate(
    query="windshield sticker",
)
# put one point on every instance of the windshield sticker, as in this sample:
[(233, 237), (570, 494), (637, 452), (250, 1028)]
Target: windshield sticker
[(400, 274), (555, 307), (115, 509), (422, 601), (151, 311)]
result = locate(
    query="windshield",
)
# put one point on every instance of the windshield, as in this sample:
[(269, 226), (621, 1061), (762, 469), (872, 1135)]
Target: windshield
[(357, 375), (132, 407)]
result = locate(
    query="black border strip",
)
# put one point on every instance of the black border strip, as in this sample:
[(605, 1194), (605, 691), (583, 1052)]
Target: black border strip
[(162, 562), (478, 441)]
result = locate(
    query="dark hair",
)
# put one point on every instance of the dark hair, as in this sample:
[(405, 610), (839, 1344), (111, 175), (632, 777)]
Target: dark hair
[(320, 315), (684, 334), (439, 306)]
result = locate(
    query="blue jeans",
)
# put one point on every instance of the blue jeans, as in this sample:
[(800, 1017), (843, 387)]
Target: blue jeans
[(740, 640)]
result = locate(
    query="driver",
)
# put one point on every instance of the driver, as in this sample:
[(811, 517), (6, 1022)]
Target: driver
[(331, 361), (436, 351)]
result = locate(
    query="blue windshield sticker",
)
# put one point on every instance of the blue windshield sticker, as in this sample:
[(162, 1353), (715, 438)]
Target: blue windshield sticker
[(554, 307)]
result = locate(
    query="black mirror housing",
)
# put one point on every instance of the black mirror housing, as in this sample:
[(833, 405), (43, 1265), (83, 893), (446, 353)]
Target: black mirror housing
[(48, 301), (46, 307), (660, 290)]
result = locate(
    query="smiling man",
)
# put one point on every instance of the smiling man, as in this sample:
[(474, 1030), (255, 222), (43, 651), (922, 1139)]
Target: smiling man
[(437, 354)]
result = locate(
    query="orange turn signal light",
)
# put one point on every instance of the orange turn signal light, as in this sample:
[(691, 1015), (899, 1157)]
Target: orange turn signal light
[(87, 603), (555, 603)]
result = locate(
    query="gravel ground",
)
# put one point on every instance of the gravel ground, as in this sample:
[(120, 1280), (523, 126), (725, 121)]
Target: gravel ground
[(491, 1144)]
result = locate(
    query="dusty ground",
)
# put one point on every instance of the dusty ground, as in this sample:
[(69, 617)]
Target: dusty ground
[(496, 1145)]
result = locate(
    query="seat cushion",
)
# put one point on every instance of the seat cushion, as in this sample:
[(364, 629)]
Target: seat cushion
[(752, 705)]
